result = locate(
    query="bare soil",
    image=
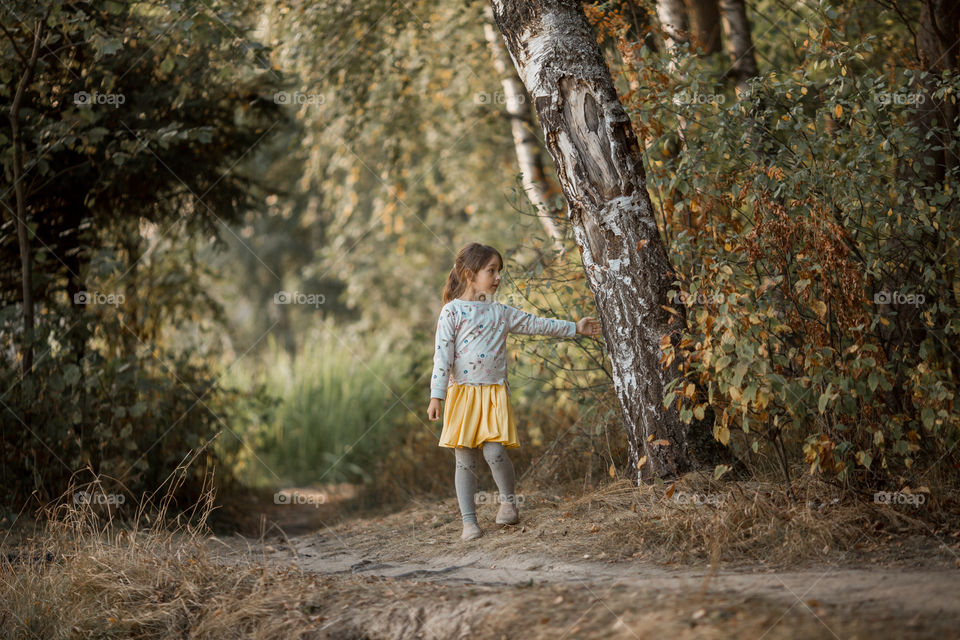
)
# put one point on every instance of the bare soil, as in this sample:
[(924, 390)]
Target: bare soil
[(563, 573)]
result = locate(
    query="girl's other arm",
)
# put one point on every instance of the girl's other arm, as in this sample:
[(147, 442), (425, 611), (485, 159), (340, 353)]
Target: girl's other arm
[(443, 353), (433, 409)]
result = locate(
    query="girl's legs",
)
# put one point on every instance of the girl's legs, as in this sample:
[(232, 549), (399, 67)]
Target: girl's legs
[(465, 480), (501, 467)]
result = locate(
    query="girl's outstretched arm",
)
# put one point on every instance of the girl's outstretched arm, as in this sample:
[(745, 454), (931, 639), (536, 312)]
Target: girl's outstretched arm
[(588, 326), (519, 321)]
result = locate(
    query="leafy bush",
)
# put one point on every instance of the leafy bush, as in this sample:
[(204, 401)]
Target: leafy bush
[(131, 419), (817, 257)]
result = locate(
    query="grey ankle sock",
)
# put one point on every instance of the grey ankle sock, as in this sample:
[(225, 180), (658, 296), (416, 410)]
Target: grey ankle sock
[(501, 467), (465, 480)]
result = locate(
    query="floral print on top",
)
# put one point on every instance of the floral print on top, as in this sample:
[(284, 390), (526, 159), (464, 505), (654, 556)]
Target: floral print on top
[(471, 344)]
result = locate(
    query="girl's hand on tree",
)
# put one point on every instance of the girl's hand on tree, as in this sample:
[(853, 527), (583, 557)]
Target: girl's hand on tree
[(588, 326), (433, 411)]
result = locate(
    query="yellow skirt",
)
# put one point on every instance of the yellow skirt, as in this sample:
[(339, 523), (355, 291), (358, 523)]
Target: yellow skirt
[(474, 414)]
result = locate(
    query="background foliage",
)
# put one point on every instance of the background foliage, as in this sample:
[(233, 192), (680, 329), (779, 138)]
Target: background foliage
[(346, 150)]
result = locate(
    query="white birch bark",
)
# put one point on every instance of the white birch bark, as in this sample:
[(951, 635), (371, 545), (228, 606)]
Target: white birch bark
[(600, 169), (524, 141)]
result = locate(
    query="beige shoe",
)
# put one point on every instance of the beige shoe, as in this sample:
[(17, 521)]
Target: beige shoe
[(507, 514), (471, 531)]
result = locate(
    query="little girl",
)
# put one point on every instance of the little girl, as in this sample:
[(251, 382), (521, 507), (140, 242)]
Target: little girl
[(470, 371)]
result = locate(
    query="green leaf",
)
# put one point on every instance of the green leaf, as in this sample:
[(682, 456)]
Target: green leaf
[(739, 371), (721, 363), (71, 374), (824, 399), (668, 399), (874, 379)]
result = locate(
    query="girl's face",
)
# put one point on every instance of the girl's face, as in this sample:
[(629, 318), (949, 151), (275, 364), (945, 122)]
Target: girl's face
[(488, 278)]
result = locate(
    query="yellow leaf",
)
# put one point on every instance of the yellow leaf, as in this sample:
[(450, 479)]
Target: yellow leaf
[(613, 472), (762, 400), (723, 435), (838, 110), (669, 493), (642, 461), (821, 308)]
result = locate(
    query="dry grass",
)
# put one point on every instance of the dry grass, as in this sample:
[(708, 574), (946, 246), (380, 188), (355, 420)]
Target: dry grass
[(86, 573), (701, 518)]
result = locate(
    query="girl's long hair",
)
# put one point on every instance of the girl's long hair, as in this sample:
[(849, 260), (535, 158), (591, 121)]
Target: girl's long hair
[(470, 260)]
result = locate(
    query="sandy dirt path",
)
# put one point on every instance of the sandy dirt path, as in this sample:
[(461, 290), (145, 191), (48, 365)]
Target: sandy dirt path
[(419, 580)]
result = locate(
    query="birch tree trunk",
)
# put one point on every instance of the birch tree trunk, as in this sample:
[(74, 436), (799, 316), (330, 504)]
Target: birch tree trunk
[(705, 16), (938, 34), (673, 20), (599, 166), (674, 24), (524, 141), (26, 256), (736, 30), (638, 36), (743, 63)]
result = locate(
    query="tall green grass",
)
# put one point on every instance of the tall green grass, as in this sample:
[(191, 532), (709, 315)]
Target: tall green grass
[(328, 414)]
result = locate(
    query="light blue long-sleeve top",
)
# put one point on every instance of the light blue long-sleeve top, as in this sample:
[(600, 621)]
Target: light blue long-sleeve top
[(471, 344)]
